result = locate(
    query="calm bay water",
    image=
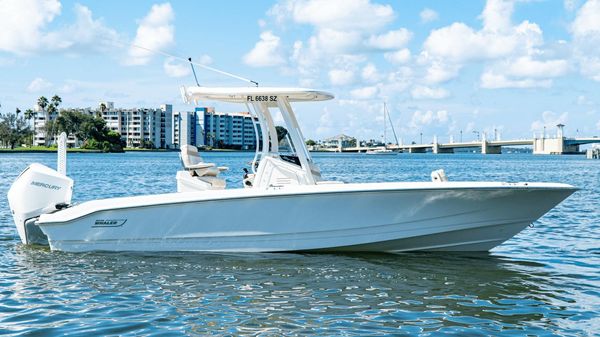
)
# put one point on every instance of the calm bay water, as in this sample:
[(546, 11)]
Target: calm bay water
[(545, 281)]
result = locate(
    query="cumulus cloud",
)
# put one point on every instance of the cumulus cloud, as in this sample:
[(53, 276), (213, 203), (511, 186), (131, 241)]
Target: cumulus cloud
[(155, 31), (424, 118), (335, 14), (344, 31), (25, 31), (549, 120), (523, 72), (401, 56), (491, 80), (392, 40), (586, 39), (176, 68), (341, 77), (370, 74), (428, 15), (514, 53), (266, 52), (364, 93), (38, 84), (423, 92)]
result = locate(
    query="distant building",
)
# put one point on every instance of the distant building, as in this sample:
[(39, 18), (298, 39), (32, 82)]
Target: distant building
[(339, 141), (137, 126), (234, 130), (188, 127)]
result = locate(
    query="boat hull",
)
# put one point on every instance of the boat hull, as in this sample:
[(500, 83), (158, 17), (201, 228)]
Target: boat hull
[(374, 217)]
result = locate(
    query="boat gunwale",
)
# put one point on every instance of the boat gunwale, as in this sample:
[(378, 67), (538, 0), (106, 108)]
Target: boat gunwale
[(143, 202)]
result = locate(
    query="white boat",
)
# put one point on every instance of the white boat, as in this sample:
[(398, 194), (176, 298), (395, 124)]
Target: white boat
[(380, 151), (284, 205)]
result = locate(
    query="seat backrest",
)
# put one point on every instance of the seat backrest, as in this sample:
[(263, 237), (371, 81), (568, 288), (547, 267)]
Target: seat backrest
[(189, 155)]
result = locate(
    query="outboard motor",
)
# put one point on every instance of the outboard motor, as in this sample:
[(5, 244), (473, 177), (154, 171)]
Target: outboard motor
[(39, 190)]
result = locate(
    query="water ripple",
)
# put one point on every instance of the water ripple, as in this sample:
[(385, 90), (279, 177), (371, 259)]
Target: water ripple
[(543, 282)]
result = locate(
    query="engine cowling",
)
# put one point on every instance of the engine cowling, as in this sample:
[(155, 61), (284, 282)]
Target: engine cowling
[(37, 190)]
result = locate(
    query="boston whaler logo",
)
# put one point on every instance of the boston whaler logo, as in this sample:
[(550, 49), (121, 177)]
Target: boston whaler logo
[(45, 185), (109, 223)]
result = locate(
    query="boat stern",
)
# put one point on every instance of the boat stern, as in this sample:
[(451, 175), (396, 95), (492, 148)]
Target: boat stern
[(37, 190)]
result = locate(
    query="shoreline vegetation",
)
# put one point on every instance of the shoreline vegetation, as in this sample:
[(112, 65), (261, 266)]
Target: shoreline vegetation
[(50, 149)]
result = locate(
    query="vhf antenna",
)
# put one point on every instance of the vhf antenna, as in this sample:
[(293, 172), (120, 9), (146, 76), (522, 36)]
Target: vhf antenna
[(194, 71)]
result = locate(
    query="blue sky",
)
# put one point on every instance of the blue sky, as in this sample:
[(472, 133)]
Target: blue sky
[(442, 66)]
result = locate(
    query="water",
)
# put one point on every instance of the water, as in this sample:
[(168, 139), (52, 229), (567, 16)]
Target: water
[(544, 282)]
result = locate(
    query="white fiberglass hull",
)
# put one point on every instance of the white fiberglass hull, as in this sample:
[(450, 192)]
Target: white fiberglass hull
[(383, 217)]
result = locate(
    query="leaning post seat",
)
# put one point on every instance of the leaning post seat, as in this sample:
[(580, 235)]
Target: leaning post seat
[(192, 162)]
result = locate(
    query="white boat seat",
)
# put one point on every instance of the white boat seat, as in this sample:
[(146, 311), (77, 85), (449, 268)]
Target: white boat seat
[(192, 162)]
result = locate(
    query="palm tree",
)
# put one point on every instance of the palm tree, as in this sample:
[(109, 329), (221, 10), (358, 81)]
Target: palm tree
[(42, 103), (102, 110), (56, 100), (29, 114)]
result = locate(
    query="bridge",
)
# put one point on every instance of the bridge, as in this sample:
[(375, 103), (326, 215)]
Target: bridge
[(541, 145)]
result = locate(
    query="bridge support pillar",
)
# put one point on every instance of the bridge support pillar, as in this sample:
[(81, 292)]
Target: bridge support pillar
[(416, 150), (488, 149)]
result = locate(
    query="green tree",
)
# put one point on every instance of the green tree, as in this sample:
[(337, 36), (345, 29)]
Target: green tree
[(42, 103), (13, 129), (56, 101), (311, 142)]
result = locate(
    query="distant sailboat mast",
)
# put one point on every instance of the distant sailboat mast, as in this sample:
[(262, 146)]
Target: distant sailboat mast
[(391, 124)]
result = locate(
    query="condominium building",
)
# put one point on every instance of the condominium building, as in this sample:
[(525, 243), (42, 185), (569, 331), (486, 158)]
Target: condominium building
[(188, 127), (138, 127), (235, 130)]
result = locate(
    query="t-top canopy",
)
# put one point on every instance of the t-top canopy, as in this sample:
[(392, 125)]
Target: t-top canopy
[(253, 94)]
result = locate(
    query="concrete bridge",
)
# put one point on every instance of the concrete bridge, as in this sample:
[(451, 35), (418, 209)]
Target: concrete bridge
[(542, 145)]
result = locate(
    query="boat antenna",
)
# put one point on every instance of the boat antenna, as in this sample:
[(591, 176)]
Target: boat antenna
[(194, 71), (203, 66)]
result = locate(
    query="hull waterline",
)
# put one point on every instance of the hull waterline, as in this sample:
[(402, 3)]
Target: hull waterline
[(386, 217)]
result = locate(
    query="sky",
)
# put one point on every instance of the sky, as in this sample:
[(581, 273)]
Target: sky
[(444, 68)]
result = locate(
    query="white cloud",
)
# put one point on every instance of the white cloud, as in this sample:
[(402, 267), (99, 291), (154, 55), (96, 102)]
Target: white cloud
[(176, 68), (370, 74), (392, 40), (205, 59), (401, 56), (364, 93), (491, 80), (335, 14), (496, 15), (23, 24), (38, 84), (266, 52), (514, 54), (586, 21), (586, 39), (439, 72), (523, 72), (85, 35), (420, 118), (428, 15), (155, 31), (344, 33), (549, 120), (25, 31), (526, 67), (341, 77), (423, 92)]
